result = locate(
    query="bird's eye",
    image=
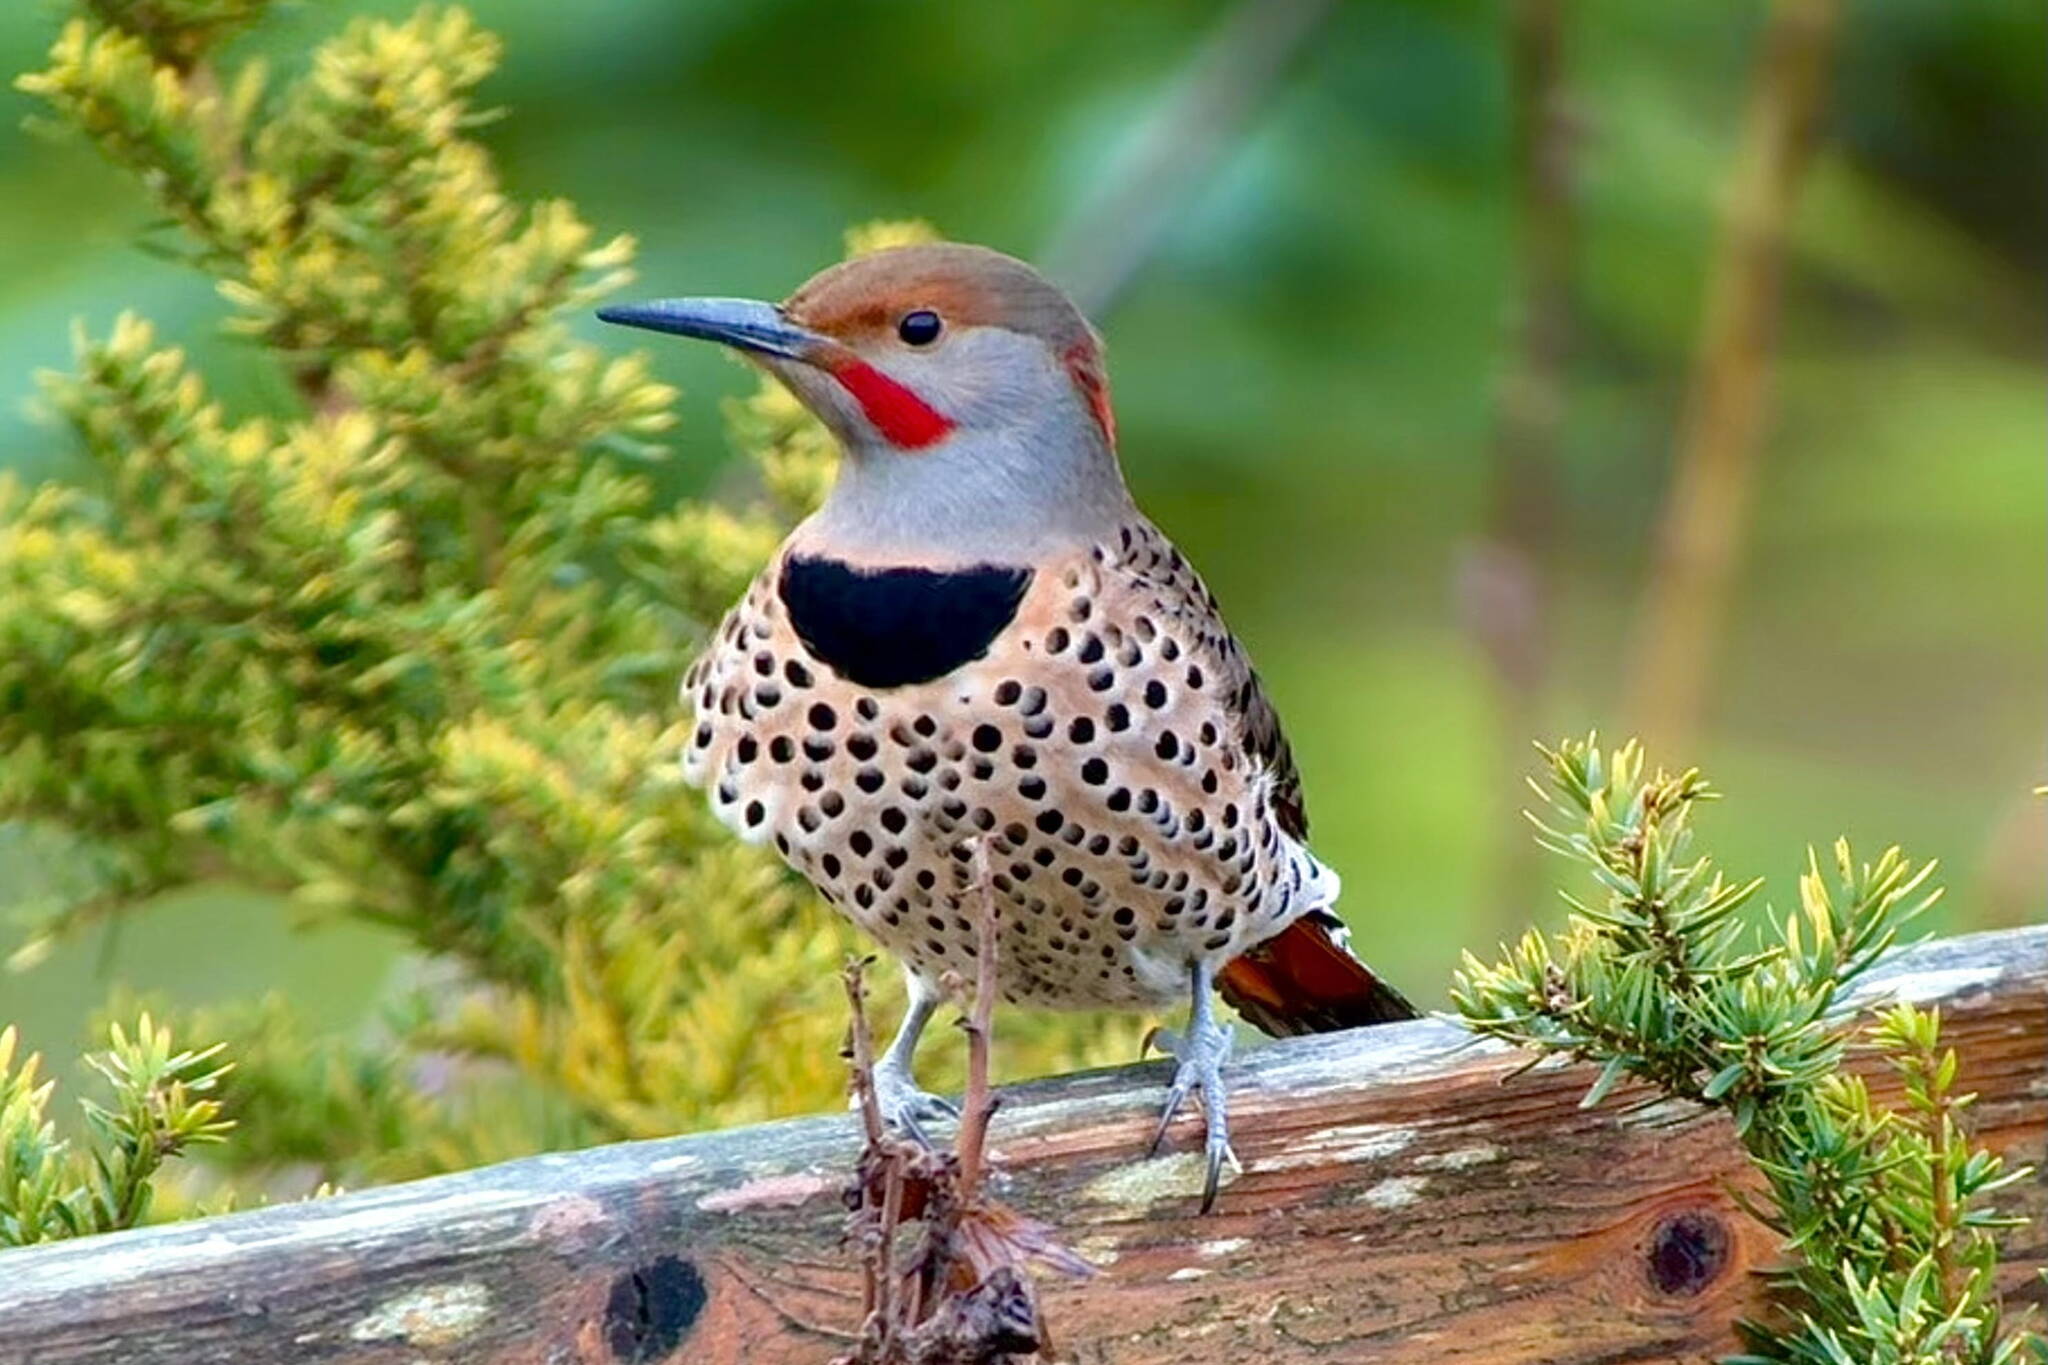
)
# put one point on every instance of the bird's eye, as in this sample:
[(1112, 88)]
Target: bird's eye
[(920, 328)]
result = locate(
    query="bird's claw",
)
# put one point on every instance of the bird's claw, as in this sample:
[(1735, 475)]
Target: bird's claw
[(1201, 1054), (907, 1109)]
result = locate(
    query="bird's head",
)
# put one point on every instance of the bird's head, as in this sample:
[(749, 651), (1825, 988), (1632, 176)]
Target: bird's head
[(965, 387)]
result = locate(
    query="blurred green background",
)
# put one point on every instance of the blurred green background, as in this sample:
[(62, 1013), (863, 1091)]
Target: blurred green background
[(1307, 366)]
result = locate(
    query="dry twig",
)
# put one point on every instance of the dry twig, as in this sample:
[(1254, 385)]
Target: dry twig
[(962, 1294)]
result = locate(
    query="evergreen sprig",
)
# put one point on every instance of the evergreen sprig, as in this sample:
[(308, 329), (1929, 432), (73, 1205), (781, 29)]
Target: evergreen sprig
[(163, 1101), (1658, 977)]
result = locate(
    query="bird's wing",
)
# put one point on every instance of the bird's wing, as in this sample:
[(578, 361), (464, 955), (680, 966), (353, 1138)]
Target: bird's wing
[(1148, 566)]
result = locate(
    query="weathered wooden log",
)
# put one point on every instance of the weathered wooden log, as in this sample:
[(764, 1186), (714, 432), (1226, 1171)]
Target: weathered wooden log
[(1407, 1195)]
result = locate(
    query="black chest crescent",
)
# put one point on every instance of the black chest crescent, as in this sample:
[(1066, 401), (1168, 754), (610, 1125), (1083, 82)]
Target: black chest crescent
[(894, 627)]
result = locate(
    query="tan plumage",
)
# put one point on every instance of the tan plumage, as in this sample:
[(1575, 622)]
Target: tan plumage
[(1112, 746)]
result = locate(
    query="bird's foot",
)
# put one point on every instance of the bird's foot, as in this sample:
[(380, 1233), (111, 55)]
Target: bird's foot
[(1201, 1053), (904, 1107)]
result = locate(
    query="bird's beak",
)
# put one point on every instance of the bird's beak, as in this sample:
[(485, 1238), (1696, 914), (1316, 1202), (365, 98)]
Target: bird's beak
[(743, 324)]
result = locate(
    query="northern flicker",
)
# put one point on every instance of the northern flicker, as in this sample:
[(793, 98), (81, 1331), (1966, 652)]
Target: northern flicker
[(979, 648)]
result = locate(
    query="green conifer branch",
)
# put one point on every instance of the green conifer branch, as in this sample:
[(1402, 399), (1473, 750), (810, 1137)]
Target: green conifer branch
[(179, 32), (1659, 978), (406, 653), (163, 1103)]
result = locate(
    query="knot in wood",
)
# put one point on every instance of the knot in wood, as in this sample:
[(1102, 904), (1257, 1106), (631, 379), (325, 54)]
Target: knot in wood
[(652, 1308), (1687, 1252)]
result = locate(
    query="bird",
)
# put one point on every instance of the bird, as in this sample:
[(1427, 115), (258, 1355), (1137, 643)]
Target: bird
[(979, 662)]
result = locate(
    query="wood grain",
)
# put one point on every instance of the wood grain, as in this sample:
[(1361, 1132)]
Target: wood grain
[(1407, 1196)]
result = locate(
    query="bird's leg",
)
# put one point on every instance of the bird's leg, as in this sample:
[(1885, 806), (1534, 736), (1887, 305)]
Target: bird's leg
[(1201, 1053), (902, 1104)]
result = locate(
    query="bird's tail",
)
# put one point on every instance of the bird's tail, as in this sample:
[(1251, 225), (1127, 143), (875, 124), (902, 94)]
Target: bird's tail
[(1305, 979)]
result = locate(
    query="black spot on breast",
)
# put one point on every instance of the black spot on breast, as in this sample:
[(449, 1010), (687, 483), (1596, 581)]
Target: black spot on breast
[(892, 627)]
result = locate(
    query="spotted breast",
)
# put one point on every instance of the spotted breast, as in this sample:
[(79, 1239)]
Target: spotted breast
[(1090, 720)]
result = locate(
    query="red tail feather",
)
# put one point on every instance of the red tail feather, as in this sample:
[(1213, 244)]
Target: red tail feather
[(1304, 980)]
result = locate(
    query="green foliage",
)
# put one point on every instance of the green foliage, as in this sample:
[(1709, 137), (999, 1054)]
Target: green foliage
[(1659, 979), (406, 652), (162, 1103)]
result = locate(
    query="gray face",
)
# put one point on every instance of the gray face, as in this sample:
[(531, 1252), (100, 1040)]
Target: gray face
[(977, 437), (1026, 469)]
